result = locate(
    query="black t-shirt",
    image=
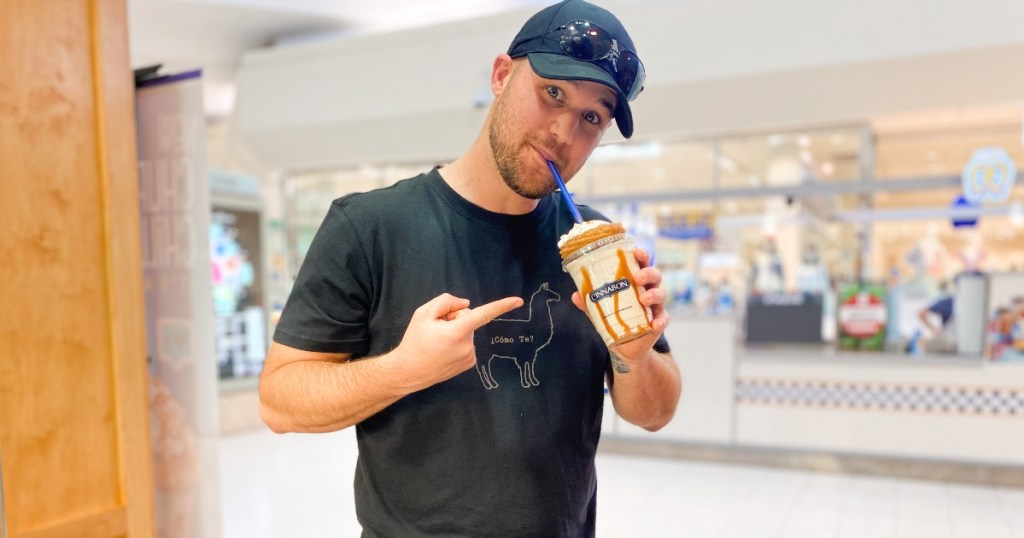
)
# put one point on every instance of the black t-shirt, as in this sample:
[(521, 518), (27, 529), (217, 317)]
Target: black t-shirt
[(504, 449)]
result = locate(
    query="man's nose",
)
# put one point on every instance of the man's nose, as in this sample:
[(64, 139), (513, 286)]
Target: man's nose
[(564, 127)]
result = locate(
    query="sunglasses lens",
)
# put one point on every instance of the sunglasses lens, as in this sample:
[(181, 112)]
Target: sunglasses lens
[(585, 41), (630, 75)]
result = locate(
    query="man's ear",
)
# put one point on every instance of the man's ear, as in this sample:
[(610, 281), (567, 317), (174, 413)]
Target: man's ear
[(501, 73)]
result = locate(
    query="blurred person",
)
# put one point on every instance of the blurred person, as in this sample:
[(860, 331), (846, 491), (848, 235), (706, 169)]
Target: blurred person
[(1000, 332), (1006, 330), (1007, 317), (767, 268), (941, 310), (407, 290), (812, 277), (1012, 324)]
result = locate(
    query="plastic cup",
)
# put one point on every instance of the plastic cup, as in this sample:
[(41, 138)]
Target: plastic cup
[(603, 270)]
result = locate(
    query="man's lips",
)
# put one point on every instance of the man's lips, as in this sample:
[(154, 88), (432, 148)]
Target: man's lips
[(545, 155)]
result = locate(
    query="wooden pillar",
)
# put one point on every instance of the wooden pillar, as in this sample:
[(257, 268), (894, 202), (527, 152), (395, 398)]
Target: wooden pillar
[(73, 406)]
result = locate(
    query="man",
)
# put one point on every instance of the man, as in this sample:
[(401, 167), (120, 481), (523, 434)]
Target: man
[(407, 292)]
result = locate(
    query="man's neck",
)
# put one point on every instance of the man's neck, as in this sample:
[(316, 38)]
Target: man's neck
[(476, 178)]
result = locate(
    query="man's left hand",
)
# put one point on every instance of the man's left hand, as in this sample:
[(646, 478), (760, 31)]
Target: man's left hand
[(649, 279)]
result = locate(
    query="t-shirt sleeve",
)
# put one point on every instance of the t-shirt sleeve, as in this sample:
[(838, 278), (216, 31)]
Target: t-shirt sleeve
[(661, 346), (328, 308)]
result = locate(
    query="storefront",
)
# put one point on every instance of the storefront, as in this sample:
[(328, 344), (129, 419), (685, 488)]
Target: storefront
[(800, 221), (786, 223), (816, 258)]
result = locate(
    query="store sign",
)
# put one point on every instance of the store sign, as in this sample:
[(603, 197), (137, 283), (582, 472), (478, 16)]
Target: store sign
[(862, 316), (240, 324), (961, 203), (784, 318), (782, 299), (989, 175), (174, 216), (687, 226)]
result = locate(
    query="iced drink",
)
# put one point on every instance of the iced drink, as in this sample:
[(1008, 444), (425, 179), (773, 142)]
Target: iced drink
[(599, 256)]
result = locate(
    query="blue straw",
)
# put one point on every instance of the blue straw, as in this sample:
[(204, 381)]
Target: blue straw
[(565, 194)]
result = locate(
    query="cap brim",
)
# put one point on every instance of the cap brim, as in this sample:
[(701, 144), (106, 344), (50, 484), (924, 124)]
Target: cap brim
[(559, 67)]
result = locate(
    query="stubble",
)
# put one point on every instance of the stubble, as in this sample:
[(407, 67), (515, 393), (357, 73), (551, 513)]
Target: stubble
[(506, 151)]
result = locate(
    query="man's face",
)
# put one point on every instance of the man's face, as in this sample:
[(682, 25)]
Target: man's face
[(536, 119)]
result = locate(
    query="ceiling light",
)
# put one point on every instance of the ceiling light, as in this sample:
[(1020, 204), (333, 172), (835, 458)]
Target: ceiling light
[(619, 152)]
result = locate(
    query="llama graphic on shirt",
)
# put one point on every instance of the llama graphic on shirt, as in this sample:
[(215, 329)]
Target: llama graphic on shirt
[(519, 340)]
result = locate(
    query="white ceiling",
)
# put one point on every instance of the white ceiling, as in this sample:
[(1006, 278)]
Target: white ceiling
[(213, 34)]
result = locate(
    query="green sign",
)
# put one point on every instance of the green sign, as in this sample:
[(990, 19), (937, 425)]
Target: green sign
[(862, 316)]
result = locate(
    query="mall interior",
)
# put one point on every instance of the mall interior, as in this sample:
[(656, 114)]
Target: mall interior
[(828, 189)]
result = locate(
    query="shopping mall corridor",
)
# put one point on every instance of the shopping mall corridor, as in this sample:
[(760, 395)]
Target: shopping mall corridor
[(301, 486)]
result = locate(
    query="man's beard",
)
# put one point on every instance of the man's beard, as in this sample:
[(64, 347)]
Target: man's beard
[(506, 155)]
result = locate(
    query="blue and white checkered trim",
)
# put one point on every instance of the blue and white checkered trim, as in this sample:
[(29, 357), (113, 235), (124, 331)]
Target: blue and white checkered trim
[(891, 397)]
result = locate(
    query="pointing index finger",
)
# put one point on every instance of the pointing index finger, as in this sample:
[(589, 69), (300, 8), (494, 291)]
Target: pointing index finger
[(485, 313)]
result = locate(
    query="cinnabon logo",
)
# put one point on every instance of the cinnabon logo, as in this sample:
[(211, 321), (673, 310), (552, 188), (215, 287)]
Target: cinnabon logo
[(609, 289)]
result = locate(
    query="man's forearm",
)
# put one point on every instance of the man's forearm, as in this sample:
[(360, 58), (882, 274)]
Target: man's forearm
[(305, 391), (646, 392), (321, 396)]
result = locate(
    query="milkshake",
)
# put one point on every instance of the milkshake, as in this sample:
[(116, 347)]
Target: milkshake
[(599, 256)]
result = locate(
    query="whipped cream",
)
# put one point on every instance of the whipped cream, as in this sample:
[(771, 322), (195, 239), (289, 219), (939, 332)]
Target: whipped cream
[(580, 227)]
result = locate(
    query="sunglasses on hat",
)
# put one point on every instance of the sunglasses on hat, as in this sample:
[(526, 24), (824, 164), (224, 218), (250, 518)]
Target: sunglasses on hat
[(588, 42)]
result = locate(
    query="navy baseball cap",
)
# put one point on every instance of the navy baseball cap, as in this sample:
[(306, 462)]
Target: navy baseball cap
[(576, 40)]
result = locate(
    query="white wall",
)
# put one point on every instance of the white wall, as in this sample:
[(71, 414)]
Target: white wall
[(839, 416), (713, 66), (705, 350)]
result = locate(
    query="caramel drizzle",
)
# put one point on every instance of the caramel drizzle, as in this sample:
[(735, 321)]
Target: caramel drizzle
[(586, 287), (624, 273)]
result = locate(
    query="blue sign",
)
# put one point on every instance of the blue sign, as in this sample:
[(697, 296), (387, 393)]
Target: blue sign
[(687, 226), (961, 202), (989, 175), (687, 233)]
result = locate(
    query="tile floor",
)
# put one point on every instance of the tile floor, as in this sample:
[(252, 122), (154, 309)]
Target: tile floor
[(300, 486)]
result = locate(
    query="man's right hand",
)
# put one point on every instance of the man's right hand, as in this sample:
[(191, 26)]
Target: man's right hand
[(304, 391), (438, 343)]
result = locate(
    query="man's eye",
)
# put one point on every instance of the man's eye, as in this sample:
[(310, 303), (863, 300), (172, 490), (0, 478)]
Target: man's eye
[(592, 118), (554, 92)]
